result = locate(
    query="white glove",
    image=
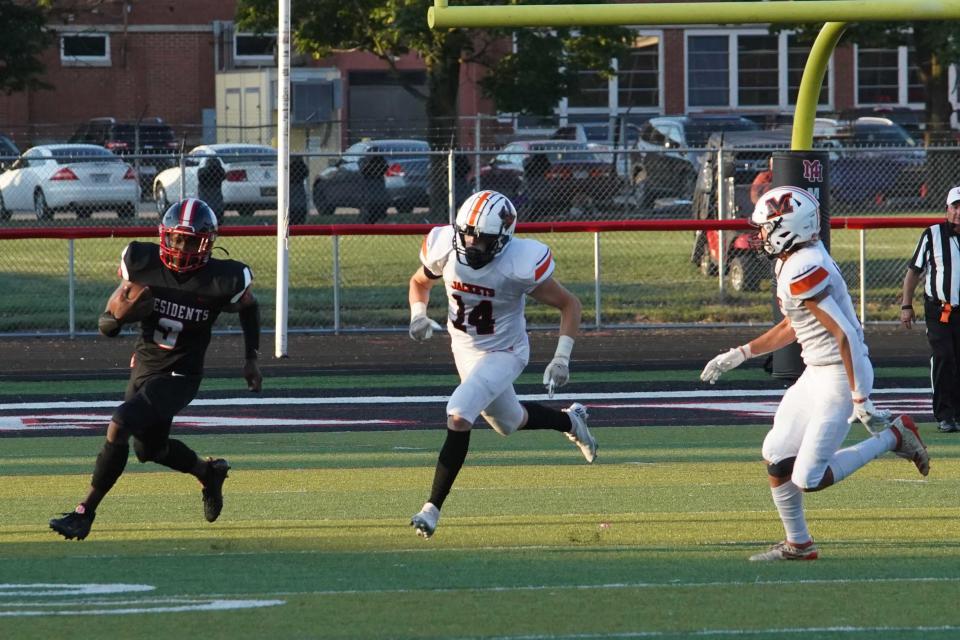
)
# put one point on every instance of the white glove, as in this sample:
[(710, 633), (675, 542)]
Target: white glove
[(421, 326), (874, 419), (557, 372), (724, 362)]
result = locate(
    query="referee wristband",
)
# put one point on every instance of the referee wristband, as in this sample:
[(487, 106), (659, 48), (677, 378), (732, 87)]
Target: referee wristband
[(904, 307)]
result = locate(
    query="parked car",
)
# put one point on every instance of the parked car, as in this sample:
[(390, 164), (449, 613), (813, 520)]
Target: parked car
[(250, 177), (68, 177), (545, 177), (612, 145), (876, 161), (353, 181), (8, 150), (149, 145), (667, 158)]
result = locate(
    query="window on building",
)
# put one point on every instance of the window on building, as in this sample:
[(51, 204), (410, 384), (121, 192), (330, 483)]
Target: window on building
[(916, 91), (878, 76), (764, 71), (633, 86), (889, 76), (593, 90), (708, 71), (797, 55), (85, 49), (758, 82), (638, 75), (254, 47)]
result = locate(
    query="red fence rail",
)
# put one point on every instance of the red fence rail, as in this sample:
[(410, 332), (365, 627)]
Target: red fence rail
[(77, 233)]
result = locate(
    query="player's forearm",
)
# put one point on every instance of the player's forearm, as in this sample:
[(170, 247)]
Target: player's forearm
[(910, 282), (419, 291), (250, 324), (570, 314), (777, 337)]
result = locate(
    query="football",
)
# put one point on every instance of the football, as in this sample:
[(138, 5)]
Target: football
[(131, 302)]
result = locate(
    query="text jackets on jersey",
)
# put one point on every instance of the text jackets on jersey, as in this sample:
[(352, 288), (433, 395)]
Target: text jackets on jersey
[(176, 335), (805, 274), (938, 253), (486, 305)]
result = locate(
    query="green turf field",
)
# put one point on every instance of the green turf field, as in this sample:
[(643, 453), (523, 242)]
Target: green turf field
[(649, 542)]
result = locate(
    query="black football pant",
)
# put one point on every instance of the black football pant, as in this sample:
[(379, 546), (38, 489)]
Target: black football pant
[(150, 404), (944, 338)]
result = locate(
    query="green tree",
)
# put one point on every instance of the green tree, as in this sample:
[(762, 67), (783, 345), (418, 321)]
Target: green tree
[(25, 38), (532, 80)]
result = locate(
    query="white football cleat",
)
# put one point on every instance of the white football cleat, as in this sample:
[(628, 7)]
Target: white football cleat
[(425, 522), (787, 551), (580, 435), (911, 446)]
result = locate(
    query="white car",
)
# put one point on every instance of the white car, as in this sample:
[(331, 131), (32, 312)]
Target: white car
[(69, 177), (250, 177)]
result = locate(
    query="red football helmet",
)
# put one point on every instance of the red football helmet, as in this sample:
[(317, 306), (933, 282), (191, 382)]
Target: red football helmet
[(188, 230)]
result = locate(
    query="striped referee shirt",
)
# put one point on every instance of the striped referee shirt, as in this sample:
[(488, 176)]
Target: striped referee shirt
[(938, 253)]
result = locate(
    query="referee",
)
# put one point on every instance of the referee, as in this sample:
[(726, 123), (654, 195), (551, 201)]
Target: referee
[(938, 254)]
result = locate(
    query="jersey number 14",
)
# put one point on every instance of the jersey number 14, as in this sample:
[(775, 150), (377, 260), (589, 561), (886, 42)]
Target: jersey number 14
[(480, 316)]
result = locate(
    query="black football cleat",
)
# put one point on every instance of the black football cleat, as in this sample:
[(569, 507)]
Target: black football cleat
[(213, 488), (74, 525)]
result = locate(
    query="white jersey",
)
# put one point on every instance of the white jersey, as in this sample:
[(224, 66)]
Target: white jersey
[(804, 275), (486, 305)]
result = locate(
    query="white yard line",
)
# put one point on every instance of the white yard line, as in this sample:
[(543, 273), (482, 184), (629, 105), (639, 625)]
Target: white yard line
[(394, 400)]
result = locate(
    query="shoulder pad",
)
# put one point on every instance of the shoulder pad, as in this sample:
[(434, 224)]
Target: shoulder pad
[(436, 248), (136, 258), (527, 261), (231, 278), (806, 275)]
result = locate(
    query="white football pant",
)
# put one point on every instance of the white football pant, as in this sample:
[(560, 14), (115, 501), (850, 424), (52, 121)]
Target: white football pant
[(811, 422), (486, 389)]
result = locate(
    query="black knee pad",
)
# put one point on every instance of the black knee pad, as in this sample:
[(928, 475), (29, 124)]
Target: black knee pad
[(782, 469), (148, 451), (111, 461)]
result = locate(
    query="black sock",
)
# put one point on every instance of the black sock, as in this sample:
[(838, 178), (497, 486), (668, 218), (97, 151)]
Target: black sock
[(541, 417), (178, 457), (449, 463), (111, 461)]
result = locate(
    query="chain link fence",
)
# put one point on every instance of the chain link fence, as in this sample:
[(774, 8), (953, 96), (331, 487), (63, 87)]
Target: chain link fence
[(357, 282)]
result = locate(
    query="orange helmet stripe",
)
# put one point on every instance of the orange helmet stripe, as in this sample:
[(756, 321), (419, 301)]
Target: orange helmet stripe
[(477, 207)]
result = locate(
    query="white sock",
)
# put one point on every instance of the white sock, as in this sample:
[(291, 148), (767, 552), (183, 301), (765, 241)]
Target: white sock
[(846, 461), (789, 501)]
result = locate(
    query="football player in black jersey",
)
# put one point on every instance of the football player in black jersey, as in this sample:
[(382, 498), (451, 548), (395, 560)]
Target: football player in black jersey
[(190, 289)]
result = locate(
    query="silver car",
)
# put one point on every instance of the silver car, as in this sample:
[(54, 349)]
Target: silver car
[(249, 183), (69, 177)]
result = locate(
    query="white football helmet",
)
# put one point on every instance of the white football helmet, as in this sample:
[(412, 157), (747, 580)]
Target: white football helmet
[(489, 218), (789, 216)]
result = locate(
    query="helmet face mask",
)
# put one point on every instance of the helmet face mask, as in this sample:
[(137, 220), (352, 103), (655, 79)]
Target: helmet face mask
[(788, 217), (485, 223), (188, 230)]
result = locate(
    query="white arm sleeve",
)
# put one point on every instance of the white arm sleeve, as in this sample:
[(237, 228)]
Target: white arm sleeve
[(862, 369)]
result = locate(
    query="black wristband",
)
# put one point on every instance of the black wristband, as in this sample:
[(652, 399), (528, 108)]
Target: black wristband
[(108, 325), (904, 307)]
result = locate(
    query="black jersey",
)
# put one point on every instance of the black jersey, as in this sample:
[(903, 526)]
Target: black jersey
[(174, 338)]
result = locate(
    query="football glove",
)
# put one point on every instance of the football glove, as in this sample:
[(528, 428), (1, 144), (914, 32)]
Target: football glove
[(723, 363), (556, 374), (422, 328), (874, 419)]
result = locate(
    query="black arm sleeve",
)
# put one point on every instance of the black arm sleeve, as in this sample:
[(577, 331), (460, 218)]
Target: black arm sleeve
[(250, 323), (108, 325)]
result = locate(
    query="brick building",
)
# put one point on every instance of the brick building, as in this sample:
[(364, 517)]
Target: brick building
[(135, 58)]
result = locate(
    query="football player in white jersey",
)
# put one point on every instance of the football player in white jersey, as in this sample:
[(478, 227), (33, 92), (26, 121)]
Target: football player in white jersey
[(487, 274), (802, 450)]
